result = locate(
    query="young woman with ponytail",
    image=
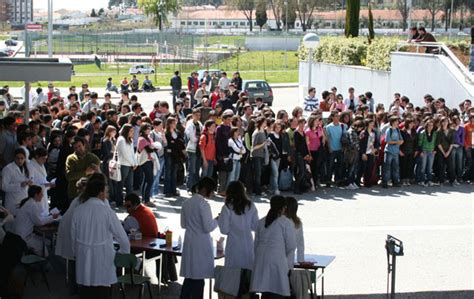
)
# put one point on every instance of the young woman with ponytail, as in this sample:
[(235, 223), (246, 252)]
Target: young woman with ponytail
[(274, 241)]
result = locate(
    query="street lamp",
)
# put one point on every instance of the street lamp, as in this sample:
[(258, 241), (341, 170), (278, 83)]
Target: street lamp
[(311, 42), (50, 28)]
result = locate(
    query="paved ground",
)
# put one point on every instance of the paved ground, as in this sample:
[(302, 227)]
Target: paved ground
[(436, 225)]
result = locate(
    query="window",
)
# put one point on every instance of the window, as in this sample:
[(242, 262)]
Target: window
[(228, 23), (190, 23), (195, 23), (242, 23), (201, 23), (183, 23), (214, 23)]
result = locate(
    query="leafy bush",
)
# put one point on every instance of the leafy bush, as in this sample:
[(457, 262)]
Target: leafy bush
[(353, 51)]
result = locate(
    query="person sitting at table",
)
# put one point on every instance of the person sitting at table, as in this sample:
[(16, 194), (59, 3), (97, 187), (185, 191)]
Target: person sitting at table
[(291, 210), (141, 218), (29, 216), (197, 261), (274, 242), (94, 228), (237, 220)]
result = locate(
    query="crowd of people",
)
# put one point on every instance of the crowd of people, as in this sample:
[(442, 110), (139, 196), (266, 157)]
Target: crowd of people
[(212, 138)]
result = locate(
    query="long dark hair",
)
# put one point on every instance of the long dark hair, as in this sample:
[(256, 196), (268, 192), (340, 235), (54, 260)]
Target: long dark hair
[(21, 151), (291, 210), (94, 186), (125, 131), (277, 204), (205, 185), (236, 198), (32, 191), (143, 129)]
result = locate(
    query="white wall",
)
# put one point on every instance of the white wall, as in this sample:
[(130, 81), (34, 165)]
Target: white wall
[(324, 76), (413, 75)]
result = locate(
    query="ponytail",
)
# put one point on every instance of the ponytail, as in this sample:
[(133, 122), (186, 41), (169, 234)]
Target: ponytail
[(277, 204), (94, 186)]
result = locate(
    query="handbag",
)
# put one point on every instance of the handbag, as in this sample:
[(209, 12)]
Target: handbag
[(114, 169)]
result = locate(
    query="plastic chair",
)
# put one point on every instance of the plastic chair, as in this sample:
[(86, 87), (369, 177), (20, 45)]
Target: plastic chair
[(29, 261), (129, 261)]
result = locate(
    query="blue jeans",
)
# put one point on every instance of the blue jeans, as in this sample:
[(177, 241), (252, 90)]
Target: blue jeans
[(257, 167), (274, 165), (336, 166), (193, 166), (175, 95), (391, 168), (127, 182), (426, 168), (155, 190), (171, 172), (352, 171), (458, 156), (235, 173), (209, 171), (147, 171)]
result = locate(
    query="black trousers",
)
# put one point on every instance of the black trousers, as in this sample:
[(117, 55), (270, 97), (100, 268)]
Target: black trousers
[(192, 289), (407, 167), (86, 292)]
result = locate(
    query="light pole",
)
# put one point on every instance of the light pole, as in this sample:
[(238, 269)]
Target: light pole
[(50, 28), (451, 19), (286, 35), (310, 42)]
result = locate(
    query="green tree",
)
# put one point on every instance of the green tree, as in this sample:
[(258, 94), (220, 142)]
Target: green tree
[(246, 7), (433, 7), (404, 9), (261, 13), (276, 6), (371, 24), (291, 13), (93, 13), (159, 10), (101, 12), (352, 18)]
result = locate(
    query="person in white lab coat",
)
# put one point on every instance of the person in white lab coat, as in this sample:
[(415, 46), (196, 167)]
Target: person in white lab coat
[(237, 220), (197, 261), (94, 228), (15, 181), (29, 216), (274, 241), (291, 213), (38, 175)]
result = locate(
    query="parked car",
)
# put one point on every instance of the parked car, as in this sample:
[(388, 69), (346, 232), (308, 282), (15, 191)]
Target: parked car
[(141, 69), (11, 43), (258, 89), (6, 52), (201, 73)]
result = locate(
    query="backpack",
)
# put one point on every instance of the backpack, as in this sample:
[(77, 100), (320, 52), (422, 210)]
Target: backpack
[(285, 179), (273, 150)]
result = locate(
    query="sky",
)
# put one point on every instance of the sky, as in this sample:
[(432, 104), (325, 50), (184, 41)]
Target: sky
[(71, 4)]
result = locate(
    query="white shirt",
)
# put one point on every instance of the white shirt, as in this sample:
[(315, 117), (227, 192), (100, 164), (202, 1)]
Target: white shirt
[(238, 149), (192, 135), (224, 83), (238, 228), (198, 256), (272, 248), (38, 175), (89, 106), (12, 177), (29, 216), (299, 247), (93, 230), (125, 153)]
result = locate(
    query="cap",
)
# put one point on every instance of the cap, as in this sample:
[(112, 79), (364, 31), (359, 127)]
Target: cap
[(228, 113)]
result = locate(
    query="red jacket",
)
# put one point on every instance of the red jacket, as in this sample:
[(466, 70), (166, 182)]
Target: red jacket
[(147, 221)]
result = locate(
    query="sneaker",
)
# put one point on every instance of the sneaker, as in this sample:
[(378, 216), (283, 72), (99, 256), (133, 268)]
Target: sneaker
[(351, 187), (277, 192), (457, 183), (355, 186), (430, 184), (396, 185)]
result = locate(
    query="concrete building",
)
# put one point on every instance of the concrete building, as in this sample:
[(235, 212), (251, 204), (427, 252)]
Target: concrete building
[(21, 11)]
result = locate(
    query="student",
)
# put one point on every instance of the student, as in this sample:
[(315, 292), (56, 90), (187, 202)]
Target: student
[(15, 181), (237, 150), (127, 160), (274, 241), (207, 145), (291, 213), (427, 143), (237, 220), (197, 261), (94, 229), (391, 169), (29, 216)]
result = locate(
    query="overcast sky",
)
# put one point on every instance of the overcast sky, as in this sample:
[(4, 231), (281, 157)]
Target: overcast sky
[(71, 4)]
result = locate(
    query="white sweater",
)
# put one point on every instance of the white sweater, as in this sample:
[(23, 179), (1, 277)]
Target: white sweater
[(125, 153)]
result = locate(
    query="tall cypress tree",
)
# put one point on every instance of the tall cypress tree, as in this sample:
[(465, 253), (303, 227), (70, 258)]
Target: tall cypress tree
[(371, 24), (352, 18)]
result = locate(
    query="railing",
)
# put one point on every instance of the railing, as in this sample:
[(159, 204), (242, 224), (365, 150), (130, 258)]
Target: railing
[(441, 49)]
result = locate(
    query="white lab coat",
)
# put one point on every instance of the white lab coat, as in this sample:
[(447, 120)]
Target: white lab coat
[(12, 177), (29, 216), (198, 256), (94, 227), (64, 242), (239, 251), (272, 247), (299, 247), (38, 175)]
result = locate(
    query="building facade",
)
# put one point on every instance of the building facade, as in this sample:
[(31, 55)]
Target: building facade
[(5, 11), (21, 11)]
